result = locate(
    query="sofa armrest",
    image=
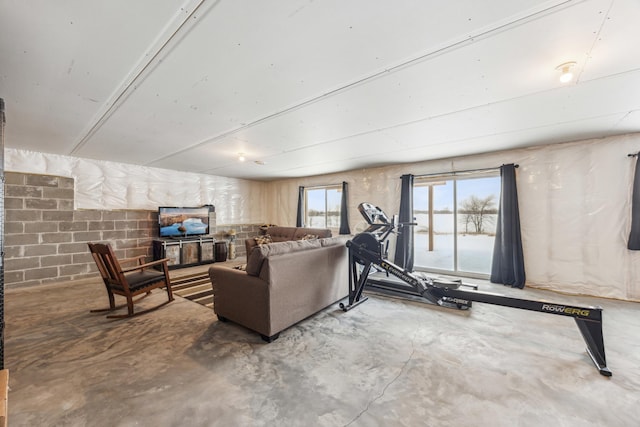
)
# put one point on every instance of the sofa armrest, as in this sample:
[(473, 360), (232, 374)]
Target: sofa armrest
[(241, 298)]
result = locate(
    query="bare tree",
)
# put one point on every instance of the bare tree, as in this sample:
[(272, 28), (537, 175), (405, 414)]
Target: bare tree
[(476, 210)]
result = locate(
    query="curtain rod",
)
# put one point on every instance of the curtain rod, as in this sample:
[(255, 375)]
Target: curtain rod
[(322, 186), (461, 172)]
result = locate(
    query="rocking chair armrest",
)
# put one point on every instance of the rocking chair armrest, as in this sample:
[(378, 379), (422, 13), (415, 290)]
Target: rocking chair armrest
[(146, 265)]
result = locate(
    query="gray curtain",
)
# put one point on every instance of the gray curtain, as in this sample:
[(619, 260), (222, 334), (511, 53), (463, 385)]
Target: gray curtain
[(508, 259), (344, 213), (300, 213), (404, 242), (634, 235)]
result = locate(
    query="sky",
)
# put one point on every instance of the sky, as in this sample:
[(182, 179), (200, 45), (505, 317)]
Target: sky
[(315, 199), (443, 194)]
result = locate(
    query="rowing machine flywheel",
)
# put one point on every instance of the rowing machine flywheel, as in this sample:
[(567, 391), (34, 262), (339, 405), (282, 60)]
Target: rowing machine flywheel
[(369, 242)]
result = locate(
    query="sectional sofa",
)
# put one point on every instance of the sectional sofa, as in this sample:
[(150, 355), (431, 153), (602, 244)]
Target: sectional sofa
[(283, 283)]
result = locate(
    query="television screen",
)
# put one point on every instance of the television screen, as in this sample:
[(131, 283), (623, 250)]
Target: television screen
[(183, 222)]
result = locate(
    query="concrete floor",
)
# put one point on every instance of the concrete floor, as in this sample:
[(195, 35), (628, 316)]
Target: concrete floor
[(387, 362)]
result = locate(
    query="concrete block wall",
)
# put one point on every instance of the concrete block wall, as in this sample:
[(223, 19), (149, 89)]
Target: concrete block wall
[(243, 231), (46, 239)]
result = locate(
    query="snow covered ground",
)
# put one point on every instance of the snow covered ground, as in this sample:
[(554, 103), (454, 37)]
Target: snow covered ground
[(474, 252)]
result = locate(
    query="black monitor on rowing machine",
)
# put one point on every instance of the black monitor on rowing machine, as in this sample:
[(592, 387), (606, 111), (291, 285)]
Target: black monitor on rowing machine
[(379, 223)]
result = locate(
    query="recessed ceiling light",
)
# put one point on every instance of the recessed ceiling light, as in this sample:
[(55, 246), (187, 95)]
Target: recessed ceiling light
[(241, 157), (260, 162)]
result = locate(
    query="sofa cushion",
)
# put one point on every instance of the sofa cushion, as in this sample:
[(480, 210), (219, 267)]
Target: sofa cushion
[(259, 253), (281, 234)]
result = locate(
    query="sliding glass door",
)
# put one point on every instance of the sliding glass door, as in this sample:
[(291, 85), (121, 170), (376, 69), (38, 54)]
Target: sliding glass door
[(456, 217)]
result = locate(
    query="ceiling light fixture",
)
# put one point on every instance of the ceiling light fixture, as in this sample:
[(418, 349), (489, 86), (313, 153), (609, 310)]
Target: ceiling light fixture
[(565, 69), (241, 157)]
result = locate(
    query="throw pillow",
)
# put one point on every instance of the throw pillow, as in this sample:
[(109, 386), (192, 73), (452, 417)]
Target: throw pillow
[(254, 263), (263, 240), (309, 237)]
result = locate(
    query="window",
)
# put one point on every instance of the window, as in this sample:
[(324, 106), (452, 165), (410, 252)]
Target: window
[(456, 217), (322, 206)]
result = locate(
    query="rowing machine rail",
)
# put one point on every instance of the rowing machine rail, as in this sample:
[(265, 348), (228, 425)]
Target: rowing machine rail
[(367, 252)]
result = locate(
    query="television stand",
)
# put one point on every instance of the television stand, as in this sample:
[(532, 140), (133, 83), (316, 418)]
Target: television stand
[(185, 251)]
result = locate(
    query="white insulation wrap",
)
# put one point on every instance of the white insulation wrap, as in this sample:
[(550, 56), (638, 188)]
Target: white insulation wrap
[(575, 202), (111, 186), (575, 209)]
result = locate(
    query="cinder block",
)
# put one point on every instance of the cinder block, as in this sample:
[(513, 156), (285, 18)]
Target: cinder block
[(42, 180), (14, 227), (13, 203), (74, 226), (44, 204), (142, 215), (125, 225), (66, 182), (41, 273), (114, 215), (40, 250), (41, 227), (22, 215), (56, 237), (86, 236), (15, 264), (21, 239), (26, 192), (87, 215), (57, 216), (13, 252), (113, 235), (11, 277), (58, 193), (101, 225), (147, 225), (138, 234), (14, 178), (72, 248), (55, 260), (121, 245), (84, 258), (65, 205)]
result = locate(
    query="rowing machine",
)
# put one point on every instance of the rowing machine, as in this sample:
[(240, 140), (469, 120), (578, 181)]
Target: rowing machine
[(368, 251)]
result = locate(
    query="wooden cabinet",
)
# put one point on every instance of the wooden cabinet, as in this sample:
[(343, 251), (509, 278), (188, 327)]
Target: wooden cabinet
[(185, 252)]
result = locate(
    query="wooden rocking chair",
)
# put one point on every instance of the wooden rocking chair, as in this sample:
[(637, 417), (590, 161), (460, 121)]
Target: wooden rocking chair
[(129, 282)]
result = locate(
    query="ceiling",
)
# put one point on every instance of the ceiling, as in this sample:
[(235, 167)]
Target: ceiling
[(312, 87)]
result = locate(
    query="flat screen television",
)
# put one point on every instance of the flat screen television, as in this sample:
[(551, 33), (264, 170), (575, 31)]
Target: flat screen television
[(183, 222)]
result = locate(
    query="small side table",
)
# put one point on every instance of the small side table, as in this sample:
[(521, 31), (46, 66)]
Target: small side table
[(220, 251)]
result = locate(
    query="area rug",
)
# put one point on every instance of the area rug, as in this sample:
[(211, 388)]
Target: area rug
[(194, 287)]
